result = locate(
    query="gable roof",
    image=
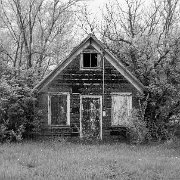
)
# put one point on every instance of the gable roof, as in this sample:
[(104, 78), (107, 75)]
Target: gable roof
[(91, 40)]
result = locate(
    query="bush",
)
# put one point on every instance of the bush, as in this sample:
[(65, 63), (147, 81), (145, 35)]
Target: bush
[(172, 126), (138, 131), (18, 112), (10, 135), (143, 127)]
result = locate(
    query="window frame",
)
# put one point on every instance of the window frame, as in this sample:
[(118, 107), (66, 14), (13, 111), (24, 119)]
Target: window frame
[(90, 68), (129, 107), (68, 107)]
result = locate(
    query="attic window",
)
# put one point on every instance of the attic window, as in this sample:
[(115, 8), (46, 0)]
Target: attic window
[(90, 61)]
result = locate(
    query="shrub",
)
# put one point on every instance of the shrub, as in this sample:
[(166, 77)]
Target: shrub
[(9, 135), (18, 112), (172, 126), (138, 131), (155, 123)]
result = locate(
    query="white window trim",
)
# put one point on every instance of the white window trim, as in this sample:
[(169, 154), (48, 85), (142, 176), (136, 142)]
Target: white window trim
[(90, 68), (121, 94), (49, 107)]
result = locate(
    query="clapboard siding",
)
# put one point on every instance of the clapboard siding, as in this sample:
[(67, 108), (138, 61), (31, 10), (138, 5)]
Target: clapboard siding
[(86, 82)]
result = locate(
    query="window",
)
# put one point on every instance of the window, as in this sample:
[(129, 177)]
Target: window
[(59, 105), (90, 61), (121, 108)]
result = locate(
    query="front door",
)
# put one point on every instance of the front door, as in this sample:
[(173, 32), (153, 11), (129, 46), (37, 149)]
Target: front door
[(91, 117)]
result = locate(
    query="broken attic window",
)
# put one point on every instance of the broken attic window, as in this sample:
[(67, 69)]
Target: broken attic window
[(90, 60)]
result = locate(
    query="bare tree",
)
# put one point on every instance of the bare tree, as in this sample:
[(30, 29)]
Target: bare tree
[(147, 41), (141, 36), (34, 29)]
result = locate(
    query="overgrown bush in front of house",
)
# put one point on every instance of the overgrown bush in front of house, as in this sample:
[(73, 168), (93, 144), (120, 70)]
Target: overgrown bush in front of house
[(162, 112), (153, 121), (137, 128), (18, 112)]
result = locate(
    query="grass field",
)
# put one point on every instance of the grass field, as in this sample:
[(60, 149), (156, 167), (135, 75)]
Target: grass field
[(67, 160)]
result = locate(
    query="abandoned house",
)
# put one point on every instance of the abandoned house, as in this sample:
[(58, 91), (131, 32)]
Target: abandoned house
[(89, 94)]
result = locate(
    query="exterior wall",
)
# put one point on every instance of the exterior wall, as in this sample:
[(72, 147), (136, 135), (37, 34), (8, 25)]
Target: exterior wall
[(87, 82), (43, 106)]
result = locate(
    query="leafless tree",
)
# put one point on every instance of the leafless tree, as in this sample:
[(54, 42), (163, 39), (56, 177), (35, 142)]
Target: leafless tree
[(141, 36), (34, 31)]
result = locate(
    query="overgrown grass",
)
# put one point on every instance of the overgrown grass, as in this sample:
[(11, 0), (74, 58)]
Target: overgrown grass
[(67, 160)]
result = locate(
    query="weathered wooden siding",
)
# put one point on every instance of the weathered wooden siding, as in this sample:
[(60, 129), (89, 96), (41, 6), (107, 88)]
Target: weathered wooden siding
[(87, 82), (43, 104)]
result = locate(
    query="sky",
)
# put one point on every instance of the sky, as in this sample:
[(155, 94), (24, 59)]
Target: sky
[(95, 6), (95, 2)]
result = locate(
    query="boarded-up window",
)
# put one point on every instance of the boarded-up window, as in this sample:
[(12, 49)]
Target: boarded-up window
[(121, 108), (59, 109)]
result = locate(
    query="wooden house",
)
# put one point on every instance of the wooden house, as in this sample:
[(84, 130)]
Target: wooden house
[(89, 94)]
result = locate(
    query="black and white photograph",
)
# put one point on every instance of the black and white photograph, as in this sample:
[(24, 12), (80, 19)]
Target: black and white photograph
[(89, 89)]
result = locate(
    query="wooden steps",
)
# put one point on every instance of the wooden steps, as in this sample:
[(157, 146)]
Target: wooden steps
[(59, 131), (113, 132)]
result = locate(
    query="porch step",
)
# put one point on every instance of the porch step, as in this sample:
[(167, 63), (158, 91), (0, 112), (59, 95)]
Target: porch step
[(59, 131)]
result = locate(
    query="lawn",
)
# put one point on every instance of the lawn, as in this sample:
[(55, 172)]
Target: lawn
[(68, 160)]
